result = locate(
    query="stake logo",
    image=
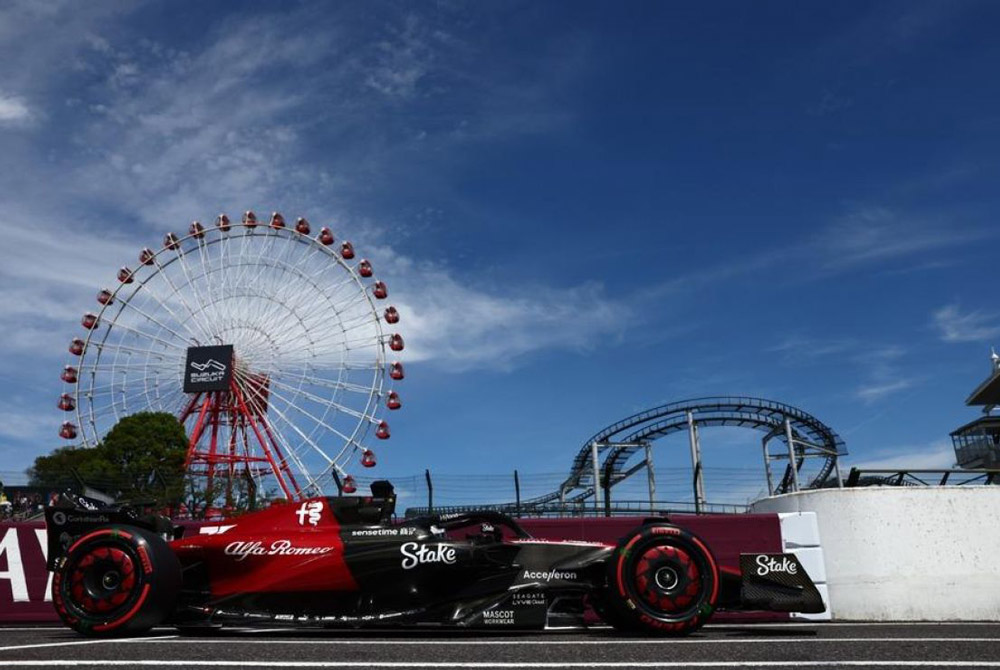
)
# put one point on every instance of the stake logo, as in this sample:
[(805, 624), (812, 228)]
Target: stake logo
[(208, 368), (768, 564), (310, 512), (415, 554)]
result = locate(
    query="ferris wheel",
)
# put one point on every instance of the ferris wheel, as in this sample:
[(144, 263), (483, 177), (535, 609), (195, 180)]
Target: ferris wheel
[(269, 342)]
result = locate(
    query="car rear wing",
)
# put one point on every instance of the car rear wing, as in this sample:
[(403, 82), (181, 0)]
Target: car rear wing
[(73, 516)]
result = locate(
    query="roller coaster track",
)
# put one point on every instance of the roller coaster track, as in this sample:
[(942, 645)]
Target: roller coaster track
[(619, 441)]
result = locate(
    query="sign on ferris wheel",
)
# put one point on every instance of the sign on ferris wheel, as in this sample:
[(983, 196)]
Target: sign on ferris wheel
[(269, 343)]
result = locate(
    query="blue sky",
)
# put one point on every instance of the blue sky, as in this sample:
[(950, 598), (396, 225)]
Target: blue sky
[(585, 208)]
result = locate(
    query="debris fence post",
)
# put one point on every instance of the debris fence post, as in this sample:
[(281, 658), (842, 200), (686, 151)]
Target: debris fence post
[(517, 494), (430, 492)]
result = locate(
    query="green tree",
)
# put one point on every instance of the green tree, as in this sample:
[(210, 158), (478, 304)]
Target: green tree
[(141, 458), (59, 470), (147, 451)]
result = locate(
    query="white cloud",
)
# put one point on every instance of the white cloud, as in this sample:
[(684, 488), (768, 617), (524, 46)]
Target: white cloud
[(463, 328), (937, 454), (871, 393), (174, 136), (401, 60), (955, 325), (13, 110), (797, 349), (21, 423), (877, 234)]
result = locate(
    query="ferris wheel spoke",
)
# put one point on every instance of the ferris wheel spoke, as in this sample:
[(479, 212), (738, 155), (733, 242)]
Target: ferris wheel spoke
[(336, 385), (139, 334), (148, 286), (305, 438), (181, 257), (312, 416), (289, 451), (154, 320), (325, 401)]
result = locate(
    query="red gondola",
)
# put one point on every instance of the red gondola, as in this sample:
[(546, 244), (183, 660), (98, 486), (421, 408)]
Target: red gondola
[(349, 485), (368, 458), (124, 275), (347, 250), (170, 241), (392, 401), (382, 432), (277, 221), (146, 256), (89, 321), (396, 342), (325, 236), (104, 297), (69, 373), (76, 347), (222, 222), (365, 268), (396, 371), (197, 230), (67, 431), (391, 315), (66, 402), (380, 291), (302, 226), (249, 219)]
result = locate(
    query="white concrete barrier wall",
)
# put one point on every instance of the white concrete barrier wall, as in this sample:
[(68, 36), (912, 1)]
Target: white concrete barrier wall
[(800, 536), (906, 553)]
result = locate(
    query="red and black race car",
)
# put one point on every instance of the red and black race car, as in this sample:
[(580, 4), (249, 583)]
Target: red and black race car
[(342, 561)]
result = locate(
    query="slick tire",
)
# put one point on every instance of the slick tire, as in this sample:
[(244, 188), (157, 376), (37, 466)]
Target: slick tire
[(662, 580), (116, 581)]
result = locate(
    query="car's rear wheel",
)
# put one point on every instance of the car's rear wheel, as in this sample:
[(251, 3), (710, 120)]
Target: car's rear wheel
[(661, 579), (116, 581)]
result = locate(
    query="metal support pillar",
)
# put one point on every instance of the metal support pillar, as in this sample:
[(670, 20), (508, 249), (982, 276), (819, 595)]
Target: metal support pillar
[(767, 466), (430, 492), (650, 477), (836, 471), (699, 481), (517, 494), (792, 460), (607, 496), (597, 477)]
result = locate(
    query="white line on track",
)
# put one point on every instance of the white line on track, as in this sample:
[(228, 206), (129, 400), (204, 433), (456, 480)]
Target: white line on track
[(42, 645), (859, 624), (553, 642), (403, 664)]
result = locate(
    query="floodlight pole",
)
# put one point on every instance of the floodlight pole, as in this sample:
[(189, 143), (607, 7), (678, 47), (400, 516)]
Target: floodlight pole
[(430, 492), (792, 463), (597, 477), (517, 494), (650, 477)]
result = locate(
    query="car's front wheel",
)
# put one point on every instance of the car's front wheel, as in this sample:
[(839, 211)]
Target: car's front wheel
[(661, 579), (119, 580)]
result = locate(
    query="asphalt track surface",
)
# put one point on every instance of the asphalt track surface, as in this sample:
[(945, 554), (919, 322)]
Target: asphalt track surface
[(715, 646)]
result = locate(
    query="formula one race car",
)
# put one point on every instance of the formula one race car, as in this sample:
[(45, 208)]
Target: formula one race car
[(341, 561)]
